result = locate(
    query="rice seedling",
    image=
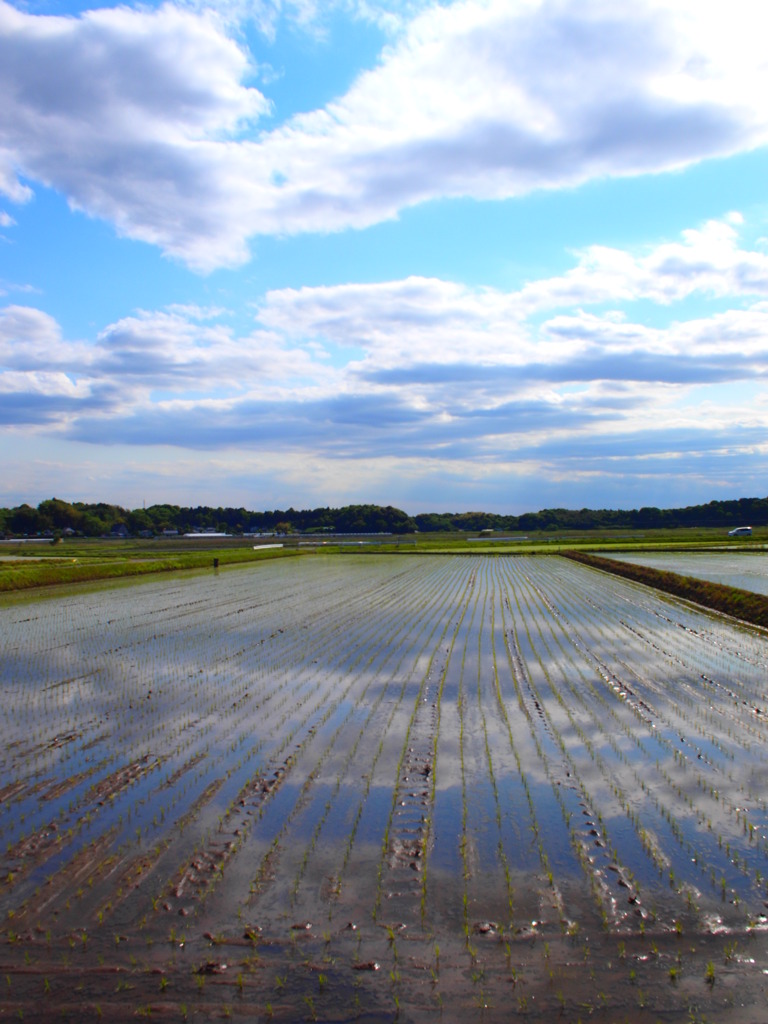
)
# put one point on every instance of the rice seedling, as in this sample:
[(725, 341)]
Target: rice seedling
[(431, 739)]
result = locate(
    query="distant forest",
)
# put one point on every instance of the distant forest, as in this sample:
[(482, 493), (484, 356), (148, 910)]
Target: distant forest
[(54, 517)]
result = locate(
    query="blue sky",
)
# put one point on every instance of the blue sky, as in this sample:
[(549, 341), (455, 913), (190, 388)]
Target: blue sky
[(467, 255)]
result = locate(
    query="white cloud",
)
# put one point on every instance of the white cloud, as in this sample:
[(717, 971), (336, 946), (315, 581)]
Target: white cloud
[(141, 117), (708, 261), (427, 323), (429, 369), (48, 384), (491, 100), (130, 113), (31, 339), (170, 352), (401, 322), (309, 15), (10, 186), (174, 351)]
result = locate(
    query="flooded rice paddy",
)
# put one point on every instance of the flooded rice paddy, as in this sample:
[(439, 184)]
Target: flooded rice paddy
[(383, 788)]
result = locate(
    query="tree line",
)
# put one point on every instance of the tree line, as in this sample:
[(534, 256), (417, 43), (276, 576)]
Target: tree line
[(738, 512), (100, 519), (54, 516)]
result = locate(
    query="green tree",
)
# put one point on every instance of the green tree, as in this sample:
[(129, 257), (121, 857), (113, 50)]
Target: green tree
[(60, 514), (27, 520)]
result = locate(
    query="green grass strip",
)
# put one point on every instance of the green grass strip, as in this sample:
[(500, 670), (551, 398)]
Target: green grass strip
[(47, 572)]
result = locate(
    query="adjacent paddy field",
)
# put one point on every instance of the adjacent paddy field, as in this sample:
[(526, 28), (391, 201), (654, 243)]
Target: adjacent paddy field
[(383, 788), (747, 570)]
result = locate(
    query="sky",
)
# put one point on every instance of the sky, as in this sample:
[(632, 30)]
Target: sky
[(495, 255)]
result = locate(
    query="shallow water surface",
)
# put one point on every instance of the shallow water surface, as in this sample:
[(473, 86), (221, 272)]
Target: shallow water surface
[(383, 788)]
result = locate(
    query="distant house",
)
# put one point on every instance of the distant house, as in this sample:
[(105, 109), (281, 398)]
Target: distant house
[(119, 530), (740, 531)]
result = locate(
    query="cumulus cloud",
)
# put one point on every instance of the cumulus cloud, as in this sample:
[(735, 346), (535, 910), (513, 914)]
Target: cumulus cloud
[(45, 398), (144, 117), (706, 260), (732, 344), (131, 114), (170, 351), (173, 352), (31, 340), (416, 319), (418, 330)]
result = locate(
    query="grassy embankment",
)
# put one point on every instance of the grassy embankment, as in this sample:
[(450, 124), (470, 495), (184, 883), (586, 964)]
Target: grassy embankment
[(93, 562), (741, 604)]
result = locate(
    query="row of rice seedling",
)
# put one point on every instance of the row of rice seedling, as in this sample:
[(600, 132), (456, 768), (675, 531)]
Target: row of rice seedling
[(581, 831), (572, 686), (724, 723), (381, 783), (663, 721), (209, 723), (408, 833), (330, 713), (413, 756), (341, 888), (342, 758), (609, 738), (619, 782), (320, 741), (488, 897)]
